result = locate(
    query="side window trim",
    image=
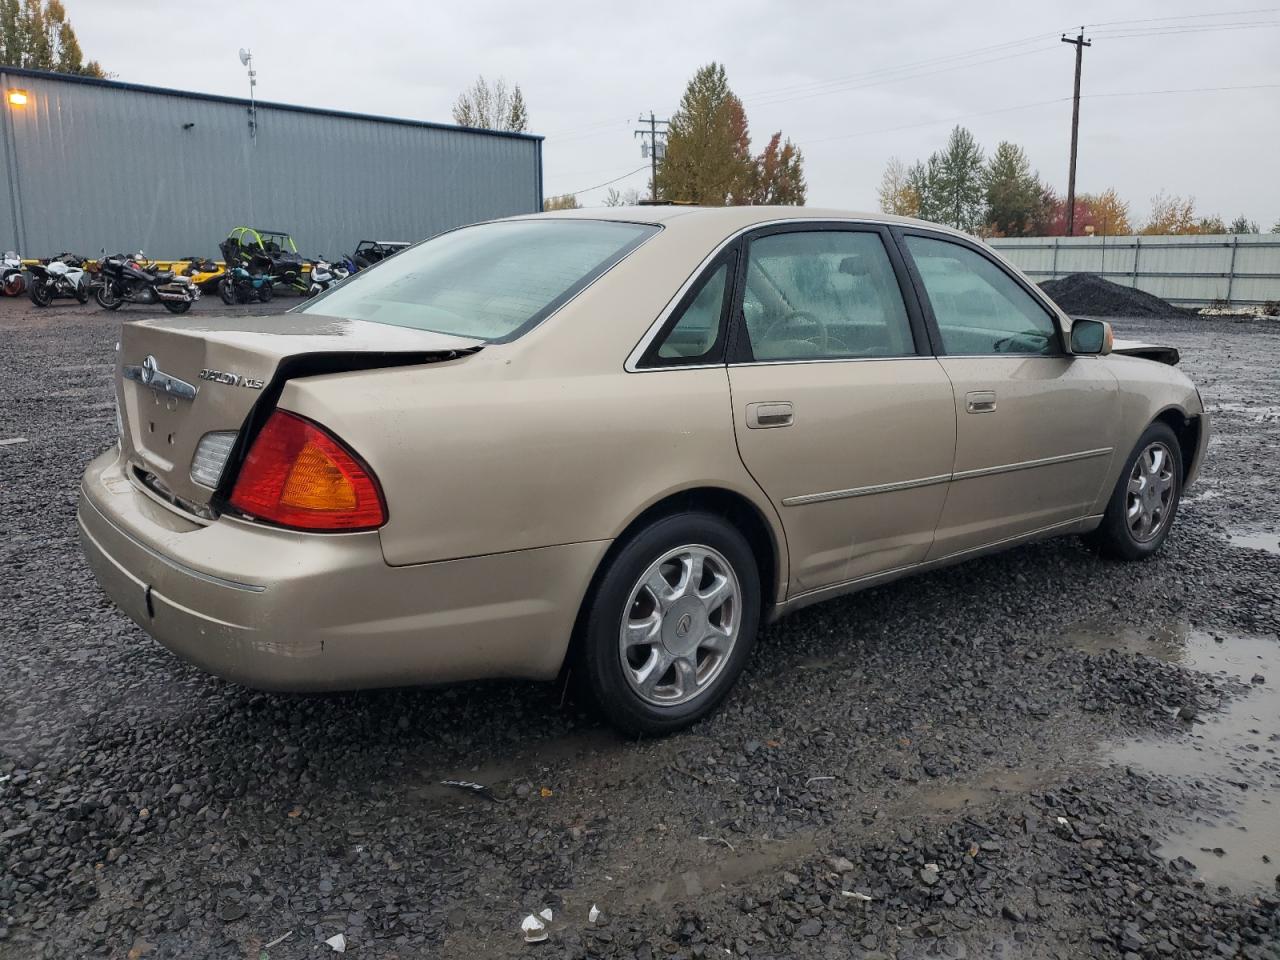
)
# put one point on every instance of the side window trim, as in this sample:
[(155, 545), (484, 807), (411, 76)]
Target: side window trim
[(917, 282), (739, 347), (650, 360)]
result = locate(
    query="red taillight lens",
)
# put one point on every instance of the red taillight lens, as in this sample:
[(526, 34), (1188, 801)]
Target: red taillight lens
[(298, 475)]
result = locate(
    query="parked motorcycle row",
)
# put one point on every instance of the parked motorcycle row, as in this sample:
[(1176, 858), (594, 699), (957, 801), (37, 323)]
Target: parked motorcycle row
[(256, 263)]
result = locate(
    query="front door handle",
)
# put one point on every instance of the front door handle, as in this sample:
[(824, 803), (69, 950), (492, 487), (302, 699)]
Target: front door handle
[(980, 401), (774, 413)]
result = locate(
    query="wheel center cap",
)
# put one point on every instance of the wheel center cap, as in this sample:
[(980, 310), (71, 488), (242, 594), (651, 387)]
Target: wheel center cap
[(684, 626)]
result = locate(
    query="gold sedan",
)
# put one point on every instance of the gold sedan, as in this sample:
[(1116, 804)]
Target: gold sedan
[(613, 442)]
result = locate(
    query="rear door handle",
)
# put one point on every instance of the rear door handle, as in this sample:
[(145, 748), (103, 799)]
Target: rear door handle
[(980, 401), (774, 413)]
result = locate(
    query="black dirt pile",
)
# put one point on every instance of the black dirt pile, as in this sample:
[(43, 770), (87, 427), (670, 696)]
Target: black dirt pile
[(1085, 294)]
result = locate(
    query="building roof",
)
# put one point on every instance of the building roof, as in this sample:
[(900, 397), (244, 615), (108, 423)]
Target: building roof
[(264, 104)]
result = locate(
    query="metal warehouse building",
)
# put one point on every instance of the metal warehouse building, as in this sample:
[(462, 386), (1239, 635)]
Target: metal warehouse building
[(93, 164)]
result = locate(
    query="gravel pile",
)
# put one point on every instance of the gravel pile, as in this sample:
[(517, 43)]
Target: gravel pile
[(1086, 294), (886, 781)]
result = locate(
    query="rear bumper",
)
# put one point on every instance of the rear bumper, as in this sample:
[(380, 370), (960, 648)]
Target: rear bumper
[(281, 610)]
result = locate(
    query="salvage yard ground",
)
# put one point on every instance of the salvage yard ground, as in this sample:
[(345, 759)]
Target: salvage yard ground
[(1038, 754)]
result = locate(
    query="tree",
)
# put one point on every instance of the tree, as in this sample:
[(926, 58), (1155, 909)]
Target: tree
[(627, 198), (36, 35), (922, 184), (1212, 224), (1108, 213), (1170, 215), (1243, 224), (708, 152), (779, 174), (565, 201), (897, 195), (956, 183), (494, 107), (1276, 228), (708, 159), (1013, 192)]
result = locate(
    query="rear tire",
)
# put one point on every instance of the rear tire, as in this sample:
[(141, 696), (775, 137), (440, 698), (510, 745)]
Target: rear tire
[(177, 306), (670, 624), (41, 295), (265, 293), (82, 293), (1145, 500)]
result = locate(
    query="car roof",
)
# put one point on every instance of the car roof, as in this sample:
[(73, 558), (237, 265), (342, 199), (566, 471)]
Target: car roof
[(674, 216)]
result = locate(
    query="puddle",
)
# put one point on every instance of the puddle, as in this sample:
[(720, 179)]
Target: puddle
[(1269, 542), (1235, 753), (738, 867)]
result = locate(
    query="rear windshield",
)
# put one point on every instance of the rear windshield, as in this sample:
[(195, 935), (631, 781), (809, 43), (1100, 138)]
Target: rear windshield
[(492, 281)]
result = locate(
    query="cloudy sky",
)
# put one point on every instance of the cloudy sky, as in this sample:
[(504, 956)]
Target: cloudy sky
[(1174, 99)]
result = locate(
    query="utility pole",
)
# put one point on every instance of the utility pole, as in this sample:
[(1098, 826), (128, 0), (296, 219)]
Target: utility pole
[(653, 149), (1079, 42)]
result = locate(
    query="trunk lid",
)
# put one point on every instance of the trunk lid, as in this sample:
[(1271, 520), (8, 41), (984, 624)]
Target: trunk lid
[(180, 379)]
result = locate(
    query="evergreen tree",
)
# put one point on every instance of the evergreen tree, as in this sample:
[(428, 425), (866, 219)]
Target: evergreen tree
[(708, 157), (36, 35), (957, 175), (1013, 192)]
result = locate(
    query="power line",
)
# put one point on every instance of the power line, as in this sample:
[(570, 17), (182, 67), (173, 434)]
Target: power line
[(607, 182), (1038, 103), (1188, 16)]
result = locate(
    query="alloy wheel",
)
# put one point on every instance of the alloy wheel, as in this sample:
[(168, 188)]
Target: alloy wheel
[(682, 621), (1149, 499)]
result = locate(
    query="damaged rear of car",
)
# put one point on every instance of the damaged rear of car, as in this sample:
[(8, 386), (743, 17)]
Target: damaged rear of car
[(237, 518)]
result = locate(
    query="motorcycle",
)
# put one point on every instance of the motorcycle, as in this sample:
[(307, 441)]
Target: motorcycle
[(239, 285), (325, 274), (12, 280), (62, 276), (123, 281)]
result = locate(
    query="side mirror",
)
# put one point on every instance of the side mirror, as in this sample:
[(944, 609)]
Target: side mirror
[(1091, 337)]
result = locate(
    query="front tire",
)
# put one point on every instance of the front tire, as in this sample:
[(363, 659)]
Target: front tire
[(670, 624), (107, 296), (265, 293), (41, 295), (1145, 500), (227, 291), (82, 293)]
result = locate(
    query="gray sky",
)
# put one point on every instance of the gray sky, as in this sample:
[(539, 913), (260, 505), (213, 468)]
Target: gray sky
[(851, 83)]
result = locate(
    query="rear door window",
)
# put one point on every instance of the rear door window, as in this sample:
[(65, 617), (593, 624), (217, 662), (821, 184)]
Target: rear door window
[(695, 331)]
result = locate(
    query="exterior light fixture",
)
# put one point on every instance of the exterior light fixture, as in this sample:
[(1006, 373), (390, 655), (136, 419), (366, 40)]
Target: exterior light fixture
[(17, 98)]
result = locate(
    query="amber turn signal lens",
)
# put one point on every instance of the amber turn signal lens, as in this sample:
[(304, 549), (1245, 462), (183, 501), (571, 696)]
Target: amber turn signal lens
[(299, 475)]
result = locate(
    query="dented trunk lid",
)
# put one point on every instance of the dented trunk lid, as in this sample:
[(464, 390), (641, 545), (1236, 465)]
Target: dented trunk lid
[(179, 379)]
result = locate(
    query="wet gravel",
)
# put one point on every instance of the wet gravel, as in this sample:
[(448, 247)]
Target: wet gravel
[(949, 766)]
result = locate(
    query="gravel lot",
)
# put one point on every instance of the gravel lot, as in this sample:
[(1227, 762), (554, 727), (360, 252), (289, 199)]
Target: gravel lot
[(986, 761)]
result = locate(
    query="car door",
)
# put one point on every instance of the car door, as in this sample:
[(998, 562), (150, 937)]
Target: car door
[(1034, 423), (842, 415)]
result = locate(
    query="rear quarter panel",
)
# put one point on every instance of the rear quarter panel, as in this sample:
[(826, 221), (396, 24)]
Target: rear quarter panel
[(485, 456)]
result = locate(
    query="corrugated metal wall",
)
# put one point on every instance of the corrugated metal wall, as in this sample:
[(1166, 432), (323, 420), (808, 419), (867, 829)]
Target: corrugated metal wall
[(94, 165), (1187, 271)]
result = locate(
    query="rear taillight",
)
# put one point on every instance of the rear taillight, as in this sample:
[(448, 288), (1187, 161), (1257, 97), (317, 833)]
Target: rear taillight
[(298, 475)]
